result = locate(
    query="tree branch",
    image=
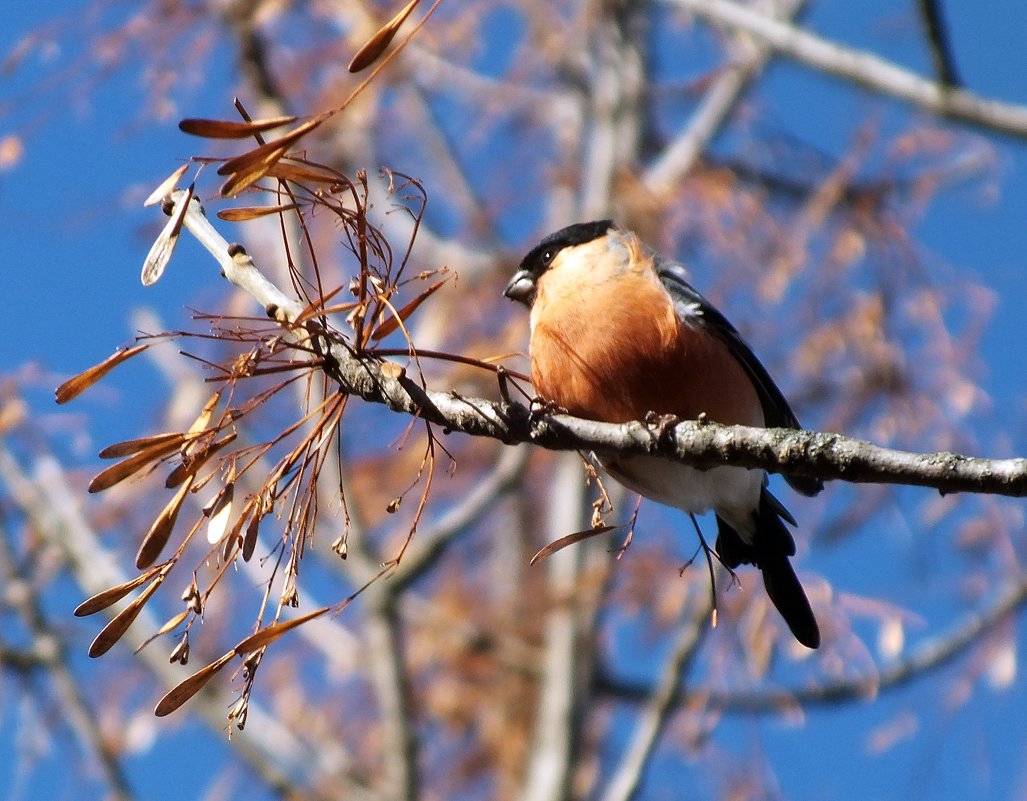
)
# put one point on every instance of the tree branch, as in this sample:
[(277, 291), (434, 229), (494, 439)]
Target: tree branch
[(939, 42), (698, 443), (278, 754), (48, 653), (865, 68), (552, 757), (718, 100), (433, 539), (664, 699), (932, 654)]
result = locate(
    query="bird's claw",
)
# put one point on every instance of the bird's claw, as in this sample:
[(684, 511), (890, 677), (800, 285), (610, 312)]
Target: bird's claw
[(540, 406), (660, 425)]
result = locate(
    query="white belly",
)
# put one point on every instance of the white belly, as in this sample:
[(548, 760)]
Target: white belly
[(731, 492)]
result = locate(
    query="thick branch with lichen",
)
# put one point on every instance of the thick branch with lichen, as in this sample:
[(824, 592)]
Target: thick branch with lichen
[(698, 443)]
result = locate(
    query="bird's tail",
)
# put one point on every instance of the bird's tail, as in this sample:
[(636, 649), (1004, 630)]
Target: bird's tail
[(771, 546)]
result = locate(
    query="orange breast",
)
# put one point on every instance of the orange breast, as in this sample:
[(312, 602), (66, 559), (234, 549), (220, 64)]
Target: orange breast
[(604, 358)]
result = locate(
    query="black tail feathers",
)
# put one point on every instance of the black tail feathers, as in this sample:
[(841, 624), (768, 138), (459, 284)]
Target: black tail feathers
[(771, 546), (786, 592)]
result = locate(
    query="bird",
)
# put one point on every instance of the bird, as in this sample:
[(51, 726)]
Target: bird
[(617, 333)]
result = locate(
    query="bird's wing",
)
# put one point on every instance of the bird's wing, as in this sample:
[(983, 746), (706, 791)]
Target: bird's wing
[(692, 307)]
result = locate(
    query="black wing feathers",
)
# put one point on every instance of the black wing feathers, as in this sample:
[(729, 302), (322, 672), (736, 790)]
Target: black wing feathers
[(776, 411)]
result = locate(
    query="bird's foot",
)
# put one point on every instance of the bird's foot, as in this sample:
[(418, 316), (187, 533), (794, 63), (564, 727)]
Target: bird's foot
[(660, 425), (540, 406)]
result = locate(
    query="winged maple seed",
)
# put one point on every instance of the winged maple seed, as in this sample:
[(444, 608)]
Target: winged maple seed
[(381, 39), (245, 170), (78, 384), (164, 246), (232, 473)]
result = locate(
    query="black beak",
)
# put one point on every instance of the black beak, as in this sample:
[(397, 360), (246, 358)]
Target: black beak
[(521, 287)]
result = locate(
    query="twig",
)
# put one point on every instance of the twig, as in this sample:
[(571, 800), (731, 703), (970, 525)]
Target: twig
[(865, 68), (327, 635), (660, 704), (274, 751), (718, 100), (940, 44), (48, 653), (432, 540), (929, 655)]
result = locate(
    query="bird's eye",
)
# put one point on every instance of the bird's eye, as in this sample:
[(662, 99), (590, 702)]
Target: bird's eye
[(547, 257)]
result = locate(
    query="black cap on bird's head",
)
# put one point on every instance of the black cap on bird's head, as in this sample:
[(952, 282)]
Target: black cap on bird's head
[(522, 285)]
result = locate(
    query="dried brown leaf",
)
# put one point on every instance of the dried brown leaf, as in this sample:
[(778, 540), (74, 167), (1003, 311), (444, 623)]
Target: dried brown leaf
[(391, 323), (203, 418), (188, 688), (117, 473), (174, 622), (376, 45), (231, 129), (569, 539), (157, 537), (114, 630), (245, 213), (337, 308), (169, 625), (274, 631), (111, 595), (234, 538), (250, 172), (84, 380)]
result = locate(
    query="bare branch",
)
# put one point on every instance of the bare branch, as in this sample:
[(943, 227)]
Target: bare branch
[(557, 723), (932, 654), (661, 702), (48, 652), (432, 540), (274, 751), (939, 41), (865, 68), (680, 155), (697, 443)]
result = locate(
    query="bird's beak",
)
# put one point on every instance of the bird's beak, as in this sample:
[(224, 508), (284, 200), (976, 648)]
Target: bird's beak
[(521, 287)]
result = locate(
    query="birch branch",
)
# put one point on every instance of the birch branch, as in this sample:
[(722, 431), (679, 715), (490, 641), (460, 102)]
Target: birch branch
[(864, 68), (700, 443)]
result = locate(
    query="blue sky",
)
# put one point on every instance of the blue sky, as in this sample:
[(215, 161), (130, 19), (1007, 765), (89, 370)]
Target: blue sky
[(73, 236)]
